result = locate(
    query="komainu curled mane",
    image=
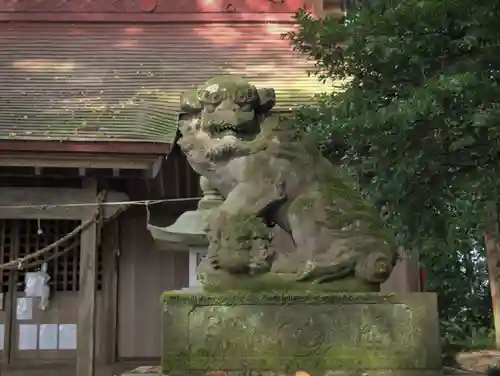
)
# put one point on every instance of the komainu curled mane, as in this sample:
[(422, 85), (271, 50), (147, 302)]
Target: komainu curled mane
[(246, 152)]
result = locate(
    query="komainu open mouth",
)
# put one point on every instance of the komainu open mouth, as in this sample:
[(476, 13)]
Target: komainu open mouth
[(222, 128)]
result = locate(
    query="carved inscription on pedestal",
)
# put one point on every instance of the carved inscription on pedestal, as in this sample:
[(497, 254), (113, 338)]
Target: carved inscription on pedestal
[(247, 335)]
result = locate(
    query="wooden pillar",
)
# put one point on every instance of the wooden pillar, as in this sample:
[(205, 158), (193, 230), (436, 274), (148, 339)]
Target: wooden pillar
[(86, 331), (110, 248)]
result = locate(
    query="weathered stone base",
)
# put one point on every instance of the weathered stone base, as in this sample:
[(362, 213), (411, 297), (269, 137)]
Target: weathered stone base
[(278, 334)]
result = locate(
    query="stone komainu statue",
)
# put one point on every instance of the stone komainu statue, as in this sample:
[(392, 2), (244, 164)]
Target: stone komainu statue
[(268, 178)]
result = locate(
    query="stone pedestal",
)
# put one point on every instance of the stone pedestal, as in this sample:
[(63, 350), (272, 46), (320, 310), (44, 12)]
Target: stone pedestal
[(315, 333)]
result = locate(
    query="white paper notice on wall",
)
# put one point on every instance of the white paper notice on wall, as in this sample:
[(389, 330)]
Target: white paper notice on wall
[(24, 309), (67, 337), (28, 336), (2, 336), (47, 337)]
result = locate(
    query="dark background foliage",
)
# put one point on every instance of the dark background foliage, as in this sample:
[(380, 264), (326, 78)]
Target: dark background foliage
[(417, 124)]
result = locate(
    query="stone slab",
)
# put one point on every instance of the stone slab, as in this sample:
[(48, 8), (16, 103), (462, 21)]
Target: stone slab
[(347, 334)]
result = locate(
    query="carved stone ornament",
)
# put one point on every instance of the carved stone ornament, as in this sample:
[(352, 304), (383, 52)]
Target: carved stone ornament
[(267, 178)]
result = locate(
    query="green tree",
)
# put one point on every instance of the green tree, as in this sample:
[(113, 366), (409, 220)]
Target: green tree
[(418, 119)]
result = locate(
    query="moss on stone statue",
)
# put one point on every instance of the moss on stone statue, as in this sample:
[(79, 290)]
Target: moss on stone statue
[(219, 281), (334, 186), (243, 246)]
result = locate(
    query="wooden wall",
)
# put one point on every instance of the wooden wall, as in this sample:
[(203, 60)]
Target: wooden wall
[(144, 273)]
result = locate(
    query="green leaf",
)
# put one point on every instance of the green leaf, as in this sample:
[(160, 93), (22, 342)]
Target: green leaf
[(462, 143)]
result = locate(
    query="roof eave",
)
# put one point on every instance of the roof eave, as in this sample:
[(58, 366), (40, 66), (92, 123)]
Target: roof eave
[(89, 147), (144, 156)]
